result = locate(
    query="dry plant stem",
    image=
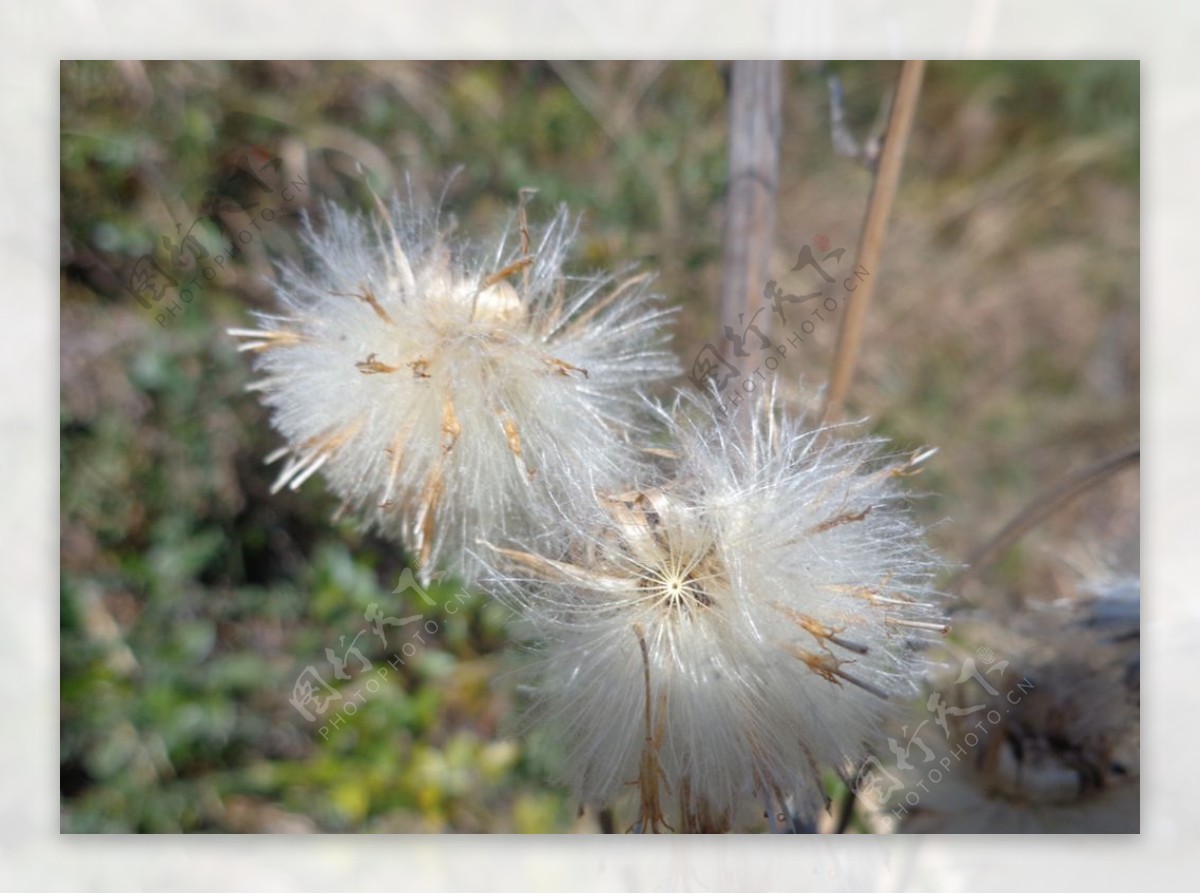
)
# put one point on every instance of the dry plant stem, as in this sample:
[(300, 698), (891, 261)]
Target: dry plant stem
[(607, 821), (879, 207), (650, 776), (848, 802), (1041, 508), (754, 126)]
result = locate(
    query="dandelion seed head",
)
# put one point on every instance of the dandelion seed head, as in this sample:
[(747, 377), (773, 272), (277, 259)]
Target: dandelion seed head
[(447, 392), (734, 629)]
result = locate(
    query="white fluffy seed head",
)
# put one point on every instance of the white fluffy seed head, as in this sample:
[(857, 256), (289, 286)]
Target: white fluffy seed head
[(447, 393), (731, 631)]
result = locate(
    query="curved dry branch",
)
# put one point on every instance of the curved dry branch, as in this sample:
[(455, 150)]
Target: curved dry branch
[(1042, 508)]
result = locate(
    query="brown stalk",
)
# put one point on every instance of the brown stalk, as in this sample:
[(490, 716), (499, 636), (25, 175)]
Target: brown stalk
[(883, 193)]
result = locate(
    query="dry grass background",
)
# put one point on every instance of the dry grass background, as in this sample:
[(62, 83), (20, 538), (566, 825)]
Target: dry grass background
[(1004, 330)]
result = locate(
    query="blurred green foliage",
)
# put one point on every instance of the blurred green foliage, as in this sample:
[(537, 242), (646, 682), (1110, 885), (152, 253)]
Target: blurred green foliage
[(192, 599)]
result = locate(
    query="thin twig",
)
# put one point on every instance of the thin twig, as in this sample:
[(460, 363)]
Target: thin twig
[(883, 192), (1044, 506)]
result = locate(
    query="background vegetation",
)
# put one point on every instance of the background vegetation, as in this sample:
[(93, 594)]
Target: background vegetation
[(1004, 331)]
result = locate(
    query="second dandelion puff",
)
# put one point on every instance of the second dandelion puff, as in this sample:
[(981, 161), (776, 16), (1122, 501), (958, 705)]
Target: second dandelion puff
[(731, 630)]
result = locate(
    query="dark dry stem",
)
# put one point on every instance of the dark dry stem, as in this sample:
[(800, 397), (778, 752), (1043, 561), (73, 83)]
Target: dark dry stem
[(1042, 508)]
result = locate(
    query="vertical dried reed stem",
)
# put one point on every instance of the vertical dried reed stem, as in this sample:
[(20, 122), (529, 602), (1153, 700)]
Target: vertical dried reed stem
[(754, 125)]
